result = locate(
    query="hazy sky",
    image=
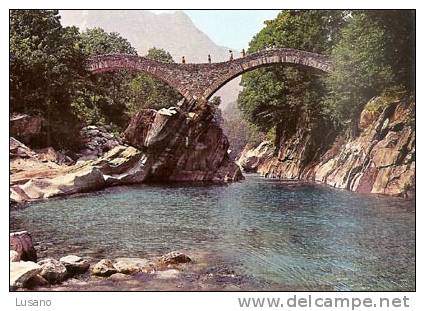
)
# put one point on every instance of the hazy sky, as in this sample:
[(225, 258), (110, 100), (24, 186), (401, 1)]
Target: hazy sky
[(231, 28)]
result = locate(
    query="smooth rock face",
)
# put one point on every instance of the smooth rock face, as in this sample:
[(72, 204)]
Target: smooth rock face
[(252, 158), (52, 270), (21, 272), (139, 126), (174, 258), (75, 264), (104, 267), (121, 165), (131, 265), (381, 159), (21, 242)]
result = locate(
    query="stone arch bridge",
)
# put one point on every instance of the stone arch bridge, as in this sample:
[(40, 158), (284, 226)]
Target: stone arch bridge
[(200, 81)]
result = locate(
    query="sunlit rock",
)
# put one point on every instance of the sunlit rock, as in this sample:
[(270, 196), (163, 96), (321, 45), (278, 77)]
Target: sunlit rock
[(104, 267)]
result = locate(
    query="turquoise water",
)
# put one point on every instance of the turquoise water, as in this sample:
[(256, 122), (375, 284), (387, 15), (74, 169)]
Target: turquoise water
[(287, 234)]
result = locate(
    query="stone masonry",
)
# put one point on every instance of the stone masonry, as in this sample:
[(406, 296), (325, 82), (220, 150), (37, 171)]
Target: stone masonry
[(200, 81)]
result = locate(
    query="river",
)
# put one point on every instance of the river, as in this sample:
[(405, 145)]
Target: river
[(279, 235)]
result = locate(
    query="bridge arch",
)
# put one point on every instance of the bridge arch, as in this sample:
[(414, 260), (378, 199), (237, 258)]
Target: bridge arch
[(200, 81)]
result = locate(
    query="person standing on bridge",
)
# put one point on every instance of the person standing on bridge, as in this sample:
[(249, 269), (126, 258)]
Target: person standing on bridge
[(183, 60), (231, 54), (209, 58)]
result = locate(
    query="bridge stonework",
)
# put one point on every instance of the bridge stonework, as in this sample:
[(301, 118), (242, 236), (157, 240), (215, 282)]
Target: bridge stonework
[(200, 81)]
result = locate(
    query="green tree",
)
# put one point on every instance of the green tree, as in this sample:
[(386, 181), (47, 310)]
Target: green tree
[(46, 70), (362, 68), (399, 27), (103, 98), (148, 92), (274, 96)]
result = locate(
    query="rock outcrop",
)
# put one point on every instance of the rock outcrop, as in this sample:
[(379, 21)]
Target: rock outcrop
[(121, 165), (183, 146), (381, 159), (21, 242), (167, 145), (252, 157)]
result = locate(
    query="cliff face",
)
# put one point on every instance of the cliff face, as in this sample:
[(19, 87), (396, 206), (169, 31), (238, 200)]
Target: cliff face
[(381, 159)]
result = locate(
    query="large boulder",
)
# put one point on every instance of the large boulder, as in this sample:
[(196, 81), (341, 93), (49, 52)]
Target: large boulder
[(105, 267), (21, 272), (182, 146), (75, 264), (36, 281), (84, 179), (52, 270), (131, 265), (21, 242), (174, 258)]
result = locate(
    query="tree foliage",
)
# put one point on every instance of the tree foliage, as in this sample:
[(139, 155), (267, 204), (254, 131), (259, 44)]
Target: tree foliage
[(48, 77), (272, 96), (46, 72), (103, 98), (148, 92), (374, 55), (372, 51)]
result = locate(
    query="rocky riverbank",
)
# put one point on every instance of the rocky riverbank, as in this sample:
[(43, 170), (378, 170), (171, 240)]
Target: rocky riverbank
[(158, 146), (28, 272), (172, 271), (381, 159)]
